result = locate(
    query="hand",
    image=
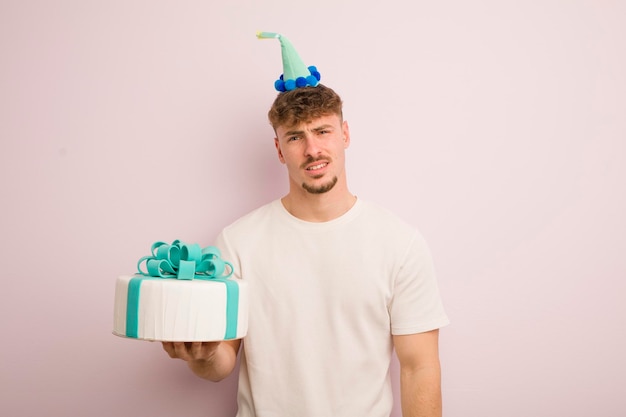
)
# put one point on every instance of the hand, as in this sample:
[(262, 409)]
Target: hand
[(191, 351), (210, 360)]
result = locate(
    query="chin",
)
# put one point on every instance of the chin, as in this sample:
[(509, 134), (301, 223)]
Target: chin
[(320, 189)]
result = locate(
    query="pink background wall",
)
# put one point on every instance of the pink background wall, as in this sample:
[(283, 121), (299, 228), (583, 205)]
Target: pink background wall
[(498, 128)]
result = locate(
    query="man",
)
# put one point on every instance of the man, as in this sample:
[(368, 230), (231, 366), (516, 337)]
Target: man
[(336, 284)]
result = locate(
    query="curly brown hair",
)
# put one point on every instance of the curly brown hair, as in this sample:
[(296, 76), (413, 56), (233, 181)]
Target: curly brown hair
[(303, 105)]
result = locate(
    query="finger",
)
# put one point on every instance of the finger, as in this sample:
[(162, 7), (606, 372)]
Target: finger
[(196, 351), (180, 351), (203, 350), (169, 348)]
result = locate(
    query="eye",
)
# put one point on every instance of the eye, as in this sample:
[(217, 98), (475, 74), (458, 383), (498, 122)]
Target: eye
[(292, 138)]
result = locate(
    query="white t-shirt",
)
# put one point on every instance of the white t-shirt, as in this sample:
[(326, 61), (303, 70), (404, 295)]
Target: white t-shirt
[(325, 300)]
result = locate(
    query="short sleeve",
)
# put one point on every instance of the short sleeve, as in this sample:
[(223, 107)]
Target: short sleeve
[(416, 304)]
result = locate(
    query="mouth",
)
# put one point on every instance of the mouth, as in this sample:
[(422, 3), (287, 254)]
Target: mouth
[(317, 166)]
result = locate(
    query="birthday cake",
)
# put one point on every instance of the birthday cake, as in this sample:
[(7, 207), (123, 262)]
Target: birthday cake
[(186, 295)]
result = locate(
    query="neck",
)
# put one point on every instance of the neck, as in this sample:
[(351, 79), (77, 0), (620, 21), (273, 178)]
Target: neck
[(319, 207)]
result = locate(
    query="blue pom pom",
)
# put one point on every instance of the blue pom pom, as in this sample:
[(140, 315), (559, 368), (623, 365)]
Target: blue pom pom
[(301, 82), (290, 85), (279, 85), (281, 77), (317, 75), (312, 80), (313, 69)]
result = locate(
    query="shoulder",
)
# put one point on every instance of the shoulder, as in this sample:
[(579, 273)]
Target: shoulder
[(384, 219), (251, 221), (245, 231), (394, 231)]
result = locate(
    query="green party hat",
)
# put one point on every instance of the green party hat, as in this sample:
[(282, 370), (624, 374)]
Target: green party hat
[(295, 73)]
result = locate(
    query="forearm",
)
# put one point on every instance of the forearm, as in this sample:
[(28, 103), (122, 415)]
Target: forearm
[(421, 391), (218, 366)]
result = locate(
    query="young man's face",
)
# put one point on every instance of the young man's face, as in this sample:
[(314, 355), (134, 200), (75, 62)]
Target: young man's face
[(314, 153)]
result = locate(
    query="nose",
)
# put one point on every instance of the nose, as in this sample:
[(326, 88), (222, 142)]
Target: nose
[(312, 146)]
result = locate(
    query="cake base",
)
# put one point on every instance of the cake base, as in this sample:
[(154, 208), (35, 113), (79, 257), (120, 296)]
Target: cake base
[(175, 310)]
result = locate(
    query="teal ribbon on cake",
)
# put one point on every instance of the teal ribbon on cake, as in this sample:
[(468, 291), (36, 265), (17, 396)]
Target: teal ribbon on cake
[(179, 260)]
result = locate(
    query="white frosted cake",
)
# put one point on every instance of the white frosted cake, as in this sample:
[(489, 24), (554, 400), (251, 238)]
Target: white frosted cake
[(185, 295), (180, 310)]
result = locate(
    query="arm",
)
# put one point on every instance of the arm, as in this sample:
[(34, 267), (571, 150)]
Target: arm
[(420, 374), (209, 360)]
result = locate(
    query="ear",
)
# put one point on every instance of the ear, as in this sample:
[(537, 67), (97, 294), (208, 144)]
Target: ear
[(278, 150), (345, 130)]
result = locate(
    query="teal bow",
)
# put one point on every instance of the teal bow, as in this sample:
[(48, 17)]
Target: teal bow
[(183, 261)]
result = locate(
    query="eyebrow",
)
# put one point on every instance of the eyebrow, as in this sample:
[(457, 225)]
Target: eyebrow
[(315, 129)]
